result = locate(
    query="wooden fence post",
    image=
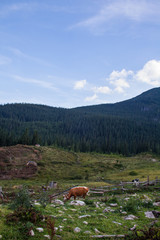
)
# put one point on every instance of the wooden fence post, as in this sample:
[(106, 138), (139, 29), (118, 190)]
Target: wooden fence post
[(148, 180), (156, 181)]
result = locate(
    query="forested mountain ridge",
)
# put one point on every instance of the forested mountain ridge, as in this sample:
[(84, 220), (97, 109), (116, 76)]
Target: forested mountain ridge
[(126, 127), (145, 106)]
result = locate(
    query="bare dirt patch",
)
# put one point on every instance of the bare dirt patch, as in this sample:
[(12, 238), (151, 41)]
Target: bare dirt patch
[(18, 161)]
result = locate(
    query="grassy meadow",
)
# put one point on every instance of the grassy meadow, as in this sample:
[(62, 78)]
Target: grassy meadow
[(95, 171)]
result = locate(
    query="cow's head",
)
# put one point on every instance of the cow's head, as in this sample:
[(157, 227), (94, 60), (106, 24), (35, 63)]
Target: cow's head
[(65, 197)]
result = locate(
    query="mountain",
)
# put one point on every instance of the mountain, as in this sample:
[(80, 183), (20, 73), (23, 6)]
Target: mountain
[(145, 106), (127, 127)]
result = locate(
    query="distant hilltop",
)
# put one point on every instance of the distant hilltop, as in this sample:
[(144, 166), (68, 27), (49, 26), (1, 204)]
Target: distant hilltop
[(127, 127)]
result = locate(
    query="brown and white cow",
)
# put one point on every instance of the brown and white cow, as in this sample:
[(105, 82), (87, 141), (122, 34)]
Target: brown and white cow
[(76, 192)]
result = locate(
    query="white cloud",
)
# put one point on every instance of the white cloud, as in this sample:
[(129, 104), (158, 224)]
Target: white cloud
[(80, 84), (119, 79), (150, 73), (135, 10), (104, 90), (92, 98), (4, 60), (40, 83)]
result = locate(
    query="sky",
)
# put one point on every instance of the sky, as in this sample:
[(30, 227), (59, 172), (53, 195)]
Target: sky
[(70, 53)]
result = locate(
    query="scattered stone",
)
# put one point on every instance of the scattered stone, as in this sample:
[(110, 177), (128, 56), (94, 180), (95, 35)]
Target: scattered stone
[(52, 205), (77, 230), (87, 232), (47, 236), (154, 160), (126, 199), (65, 219), (37, 204), (96, 230), (77, 203), (156, 204), (123, 212), (102, 215), (58, 202), (61, 226), (31, 233), (133, 228), (0, 236), (61, 211), (39, 229), (96, 204), (73, 210), (149, 215), (130, 217), (117, 223), (113, 204), (107, 209), (84, 216), (85, 222)]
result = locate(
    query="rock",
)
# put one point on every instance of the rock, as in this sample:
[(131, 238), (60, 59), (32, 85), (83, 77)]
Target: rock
[(87, 232), (96, 230), (0, 236), (40, 229), (130, 217), (61, 211), (113, 204), (123, 212), (127, 198), (58, 202), (37, 204), (47, 236), (154, 160), (77, 203), (84, 216), (52, 205), (31, 233), (60, 226), (156, 204), (149, 215), (85, 222), (133, 228), (117, 223), (77, 230), (65, 219), (107, 209)]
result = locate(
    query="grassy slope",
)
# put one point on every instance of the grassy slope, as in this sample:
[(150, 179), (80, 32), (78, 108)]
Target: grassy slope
[(81, 168), (57, 164)]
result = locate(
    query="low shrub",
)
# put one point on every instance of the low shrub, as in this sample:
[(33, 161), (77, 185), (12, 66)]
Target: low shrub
[(132, 205), (133, 173)]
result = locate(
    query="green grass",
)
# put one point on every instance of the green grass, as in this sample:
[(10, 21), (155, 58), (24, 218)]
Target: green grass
[(92, 170)]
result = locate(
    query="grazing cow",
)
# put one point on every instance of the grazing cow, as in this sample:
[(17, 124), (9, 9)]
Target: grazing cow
[(76, 192)]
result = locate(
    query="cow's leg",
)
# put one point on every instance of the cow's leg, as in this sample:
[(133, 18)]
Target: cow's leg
[(74, 197)]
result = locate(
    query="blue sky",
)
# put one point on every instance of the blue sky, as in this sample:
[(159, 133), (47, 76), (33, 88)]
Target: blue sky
[(69, 53)]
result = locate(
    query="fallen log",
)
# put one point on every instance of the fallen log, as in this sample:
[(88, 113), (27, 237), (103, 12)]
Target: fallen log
[(108, 236), (94, 192)]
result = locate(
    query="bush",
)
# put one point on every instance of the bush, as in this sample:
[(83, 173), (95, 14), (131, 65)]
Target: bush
[(132, 205), (133, 173), (22, 199), (113, 200), (24, 215)]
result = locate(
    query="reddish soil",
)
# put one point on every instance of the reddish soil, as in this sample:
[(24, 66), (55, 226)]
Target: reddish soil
[(19, 161)]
